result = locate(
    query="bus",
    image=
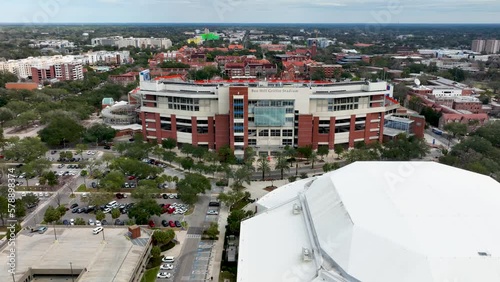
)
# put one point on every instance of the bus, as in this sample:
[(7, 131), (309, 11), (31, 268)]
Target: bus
[(437, 131)]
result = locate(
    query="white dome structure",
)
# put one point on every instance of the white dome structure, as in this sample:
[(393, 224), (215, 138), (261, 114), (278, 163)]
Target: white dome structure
[(377, 221)]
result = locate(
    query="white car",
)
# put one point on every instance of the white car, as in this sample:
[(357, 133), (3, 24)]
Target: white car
[(98, 223), (167, 267), (72, 221), (47, 194), (23, 194), (164, 275), (168, 259), (91, 222), (214, 212), (97, 230), (107, 210)]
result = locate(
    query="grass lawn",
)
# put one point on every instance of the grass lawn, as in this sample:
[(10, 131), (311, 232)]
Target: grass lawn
[(82, 188), (226, 275), (150, 274)]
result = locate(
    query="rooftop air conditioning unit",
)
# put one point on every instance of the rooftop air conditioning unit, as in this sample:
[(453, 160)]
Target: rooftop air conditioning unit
[(297, 209), (306, 254)]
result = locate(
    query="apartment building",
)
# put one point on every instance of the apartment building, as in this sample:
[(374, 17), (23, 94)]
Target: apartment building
[(264, 114), (120, 42), (65, 67)]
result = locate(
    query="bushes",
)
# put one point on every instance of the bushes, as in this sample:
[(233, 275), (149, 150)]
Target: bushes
[(222, 182), (167, 246)]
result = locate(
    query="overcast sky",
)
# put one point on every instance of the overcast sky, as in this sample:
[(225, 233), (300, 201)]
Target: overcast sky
[(250, 11)]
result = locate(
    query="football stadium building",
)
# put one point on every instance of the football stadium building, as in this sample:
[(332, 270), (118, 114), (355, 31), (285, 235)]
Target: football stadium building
[(264, 114), (400, 221)]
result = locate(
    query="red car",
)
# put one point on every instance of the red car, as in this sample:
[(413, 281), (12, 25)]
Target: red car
[(165, 208), (170, 210), (151, 223), (171, 223), (131, 177)]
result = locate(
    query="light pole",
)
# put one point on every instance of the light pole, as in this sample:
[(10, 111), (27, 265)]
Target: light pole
[(103, 235), (13, 279), (71, 266)]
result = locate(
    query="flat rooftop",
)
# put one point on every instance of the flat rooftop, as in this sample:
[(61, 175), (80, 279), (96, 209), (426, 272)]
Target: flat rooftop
[(112, 260)]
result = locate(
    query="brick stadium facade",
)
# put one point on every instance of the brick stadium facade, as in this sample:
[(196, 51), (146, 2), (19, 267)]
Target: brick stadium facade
[(266, 115)]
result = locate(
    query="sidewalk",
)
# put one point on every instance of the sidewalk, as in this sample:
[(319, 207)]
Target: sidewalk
[(180, 236), (218, 248)]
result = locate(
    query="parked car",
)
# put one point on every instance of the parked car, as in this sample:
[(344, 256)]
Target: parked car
[(178, 223), (91, 222), (171, 223), (98, 223), (168, 259), (73, 206), (104, 222), (167, 267), (151, 224), (131, 177), (163, 274), (120, 196), (75, 210), (119, 222), (164, 223), (214, 204), (107, 147), (212, 212)]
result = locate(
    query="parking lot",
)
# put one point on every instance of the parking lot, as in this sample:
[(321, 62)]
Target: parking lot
[(124, 217)]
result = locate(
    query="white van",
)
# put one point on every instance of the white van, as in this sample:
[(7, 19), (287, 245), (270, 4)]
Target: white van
[(97, 230), (112, 204)]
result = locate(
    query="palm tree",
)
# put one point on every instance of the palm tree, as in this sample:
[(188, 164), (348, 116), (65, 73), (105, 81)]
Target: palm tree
[(263, 165), (313, 158), (281, 164), (243, 174)]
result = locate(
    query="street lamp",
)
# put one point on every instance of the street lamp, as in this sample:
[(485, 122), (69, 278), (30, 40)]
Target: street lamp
[(103, 235), (13, 279), (71, 266)]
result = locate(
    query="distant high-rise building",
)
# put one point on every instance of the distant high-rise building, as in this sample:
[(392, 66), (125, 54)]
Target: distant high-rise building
[(478, 45), (492, 46)]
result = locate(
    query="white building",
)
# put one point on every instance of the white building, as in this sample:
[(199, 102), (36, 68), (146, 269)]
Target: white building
[(120, 42), (376, 221), (22, 67)]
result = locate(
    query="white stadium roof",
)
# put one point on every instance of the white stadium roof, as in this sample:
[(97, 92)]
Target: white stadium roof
[(377, 221)]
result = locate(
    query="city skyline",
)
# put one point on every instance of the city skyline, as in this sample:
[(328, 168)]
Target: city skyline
[(258, 11)]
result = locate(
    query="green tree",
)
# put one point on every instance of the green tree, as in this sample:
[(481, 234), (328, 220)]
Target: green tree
[(61, 131), (189, 187), (231, 197), (169, 143), (282, 164), (4, 211), (30, 199), (457, 129), (242, 175), (234, 220), (6, 115), (113, 181), (226, 155), (79, 221), (155, 252), (187, 163), (80, 148), (6, 77), (20, 211), (51, 215), (330, 166), (323, 151), (318, 74), (313, 157), (163, 237), (115, 213), (213, 231), (143, 210), (100, 215), (263, 166), (339, 149), (26, 149), (98, 133), (305, 152)]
